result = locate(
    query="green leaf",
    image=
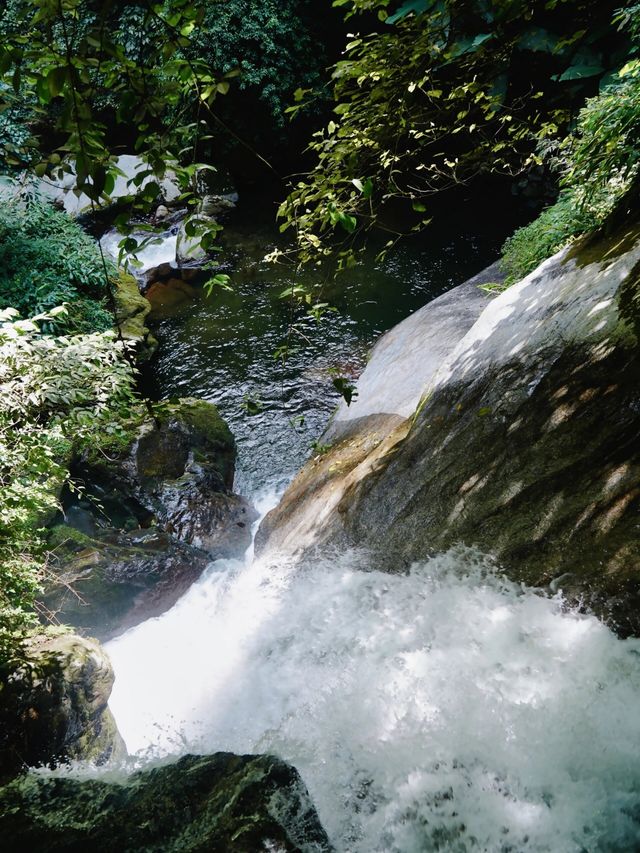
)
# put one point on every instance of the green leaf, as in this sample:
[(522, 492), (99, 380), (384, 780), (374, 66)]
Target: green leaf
[(348, 222), (410, 7), (538, 39), (56, 79), (580, 71)]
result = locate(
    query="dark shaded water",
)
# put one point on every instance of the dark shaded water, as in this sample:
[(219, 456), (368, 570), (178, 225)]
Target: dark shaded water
[(222, 348)]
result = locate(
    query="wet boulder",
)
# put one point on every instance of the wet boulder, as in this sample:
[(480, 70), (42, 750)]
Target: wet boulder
[(155, 507), (217, 205), (109, 580), (177, 470), (524, 442), (53, 704), (221, 802)]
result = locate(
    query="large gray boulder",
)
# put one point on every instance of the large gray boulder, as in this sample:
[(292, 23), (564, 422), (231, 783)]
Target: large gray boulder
[(53, 705), (524, 444), (402, 364), (221, 803)]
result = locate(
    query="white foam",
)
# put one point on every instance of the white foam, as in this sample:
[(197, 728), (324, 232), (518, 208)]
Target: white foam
[(444, 709), (161, 249)]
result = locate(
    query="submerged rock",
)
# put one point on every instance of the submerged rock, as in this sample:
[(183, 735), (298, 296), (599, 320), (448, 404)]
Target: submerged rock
[(53, 705), (525, 442), (222, 802), (167, 297)]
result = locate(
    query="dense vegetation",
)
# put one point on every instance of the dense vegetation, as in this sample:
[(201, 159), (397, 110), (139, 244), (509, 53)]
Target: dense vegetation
[(429, 96), (599, 166), (55, 392), (45, 261), (473, 87)]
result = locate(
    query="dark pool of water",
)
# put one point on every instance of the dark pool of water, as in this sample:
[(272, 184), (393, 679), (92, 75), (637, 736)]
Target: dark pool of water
[(222, 348)]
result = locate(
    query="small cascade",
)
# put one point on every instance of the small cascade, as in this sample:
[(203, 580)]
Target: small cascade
[(443, 708), (436, 708), (161, 250)]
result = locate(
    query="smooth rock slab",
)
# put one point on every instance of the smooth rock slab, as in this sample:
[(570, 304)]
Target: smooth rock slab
[(222, 803), (405, 359), (402, 364)]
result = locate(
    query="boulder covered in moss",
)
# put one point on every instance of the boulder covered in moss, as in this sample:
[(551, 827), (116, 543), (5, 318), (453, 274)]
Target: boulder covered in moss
[(132, 309), (176, 471), (221, 803), (155, 506), (109, 580), (53, 704)]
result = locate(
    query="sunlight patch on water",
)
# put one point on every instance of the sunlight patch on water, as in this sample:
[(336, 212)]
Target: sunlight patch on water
[(440, 709)]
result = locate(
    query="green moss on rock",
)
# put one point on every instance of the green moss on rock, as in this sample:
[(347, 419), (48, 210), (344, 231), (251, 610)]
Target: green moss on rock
[(131, 310), (202, 417), (221, 803), (53, 704)]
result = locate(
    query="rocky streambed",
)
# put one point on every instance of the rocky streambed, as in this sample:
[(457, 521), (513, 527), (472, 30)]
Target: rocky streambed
[(431, 631)]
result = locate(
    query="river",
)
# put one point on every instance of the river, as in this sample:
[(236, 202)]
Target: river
[(440, 709)]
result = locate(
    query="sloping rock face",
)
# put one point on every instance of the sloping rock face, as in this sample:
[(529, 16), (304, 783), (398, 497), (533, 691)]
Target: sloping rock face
[(223, 802), (402, 364), (407, 356), (526, 441), (53, 705)]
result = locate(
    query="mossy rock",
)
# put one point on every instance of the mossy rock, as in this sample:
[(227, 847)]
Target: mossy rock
[(104, 583), (222, 803), (131, 310), (177, 469), (53, 704), (146, 448)]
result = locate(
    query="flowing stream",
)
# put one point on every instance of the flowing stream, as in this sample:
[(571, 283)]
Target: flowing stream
[(440, 709)]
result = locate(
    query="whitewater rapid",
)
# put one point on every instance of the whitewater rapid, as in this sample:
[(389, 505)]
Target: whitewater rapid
[(443, 709)]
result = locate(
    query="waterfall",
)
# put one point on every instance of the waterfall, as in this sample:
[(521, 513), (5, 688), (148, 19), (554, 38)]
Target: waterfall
[(440, 708)]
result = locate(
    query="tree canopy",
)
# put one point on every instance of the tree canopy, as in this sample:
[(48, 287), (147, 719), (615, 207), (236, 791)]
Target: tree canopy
[(441, 92)]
